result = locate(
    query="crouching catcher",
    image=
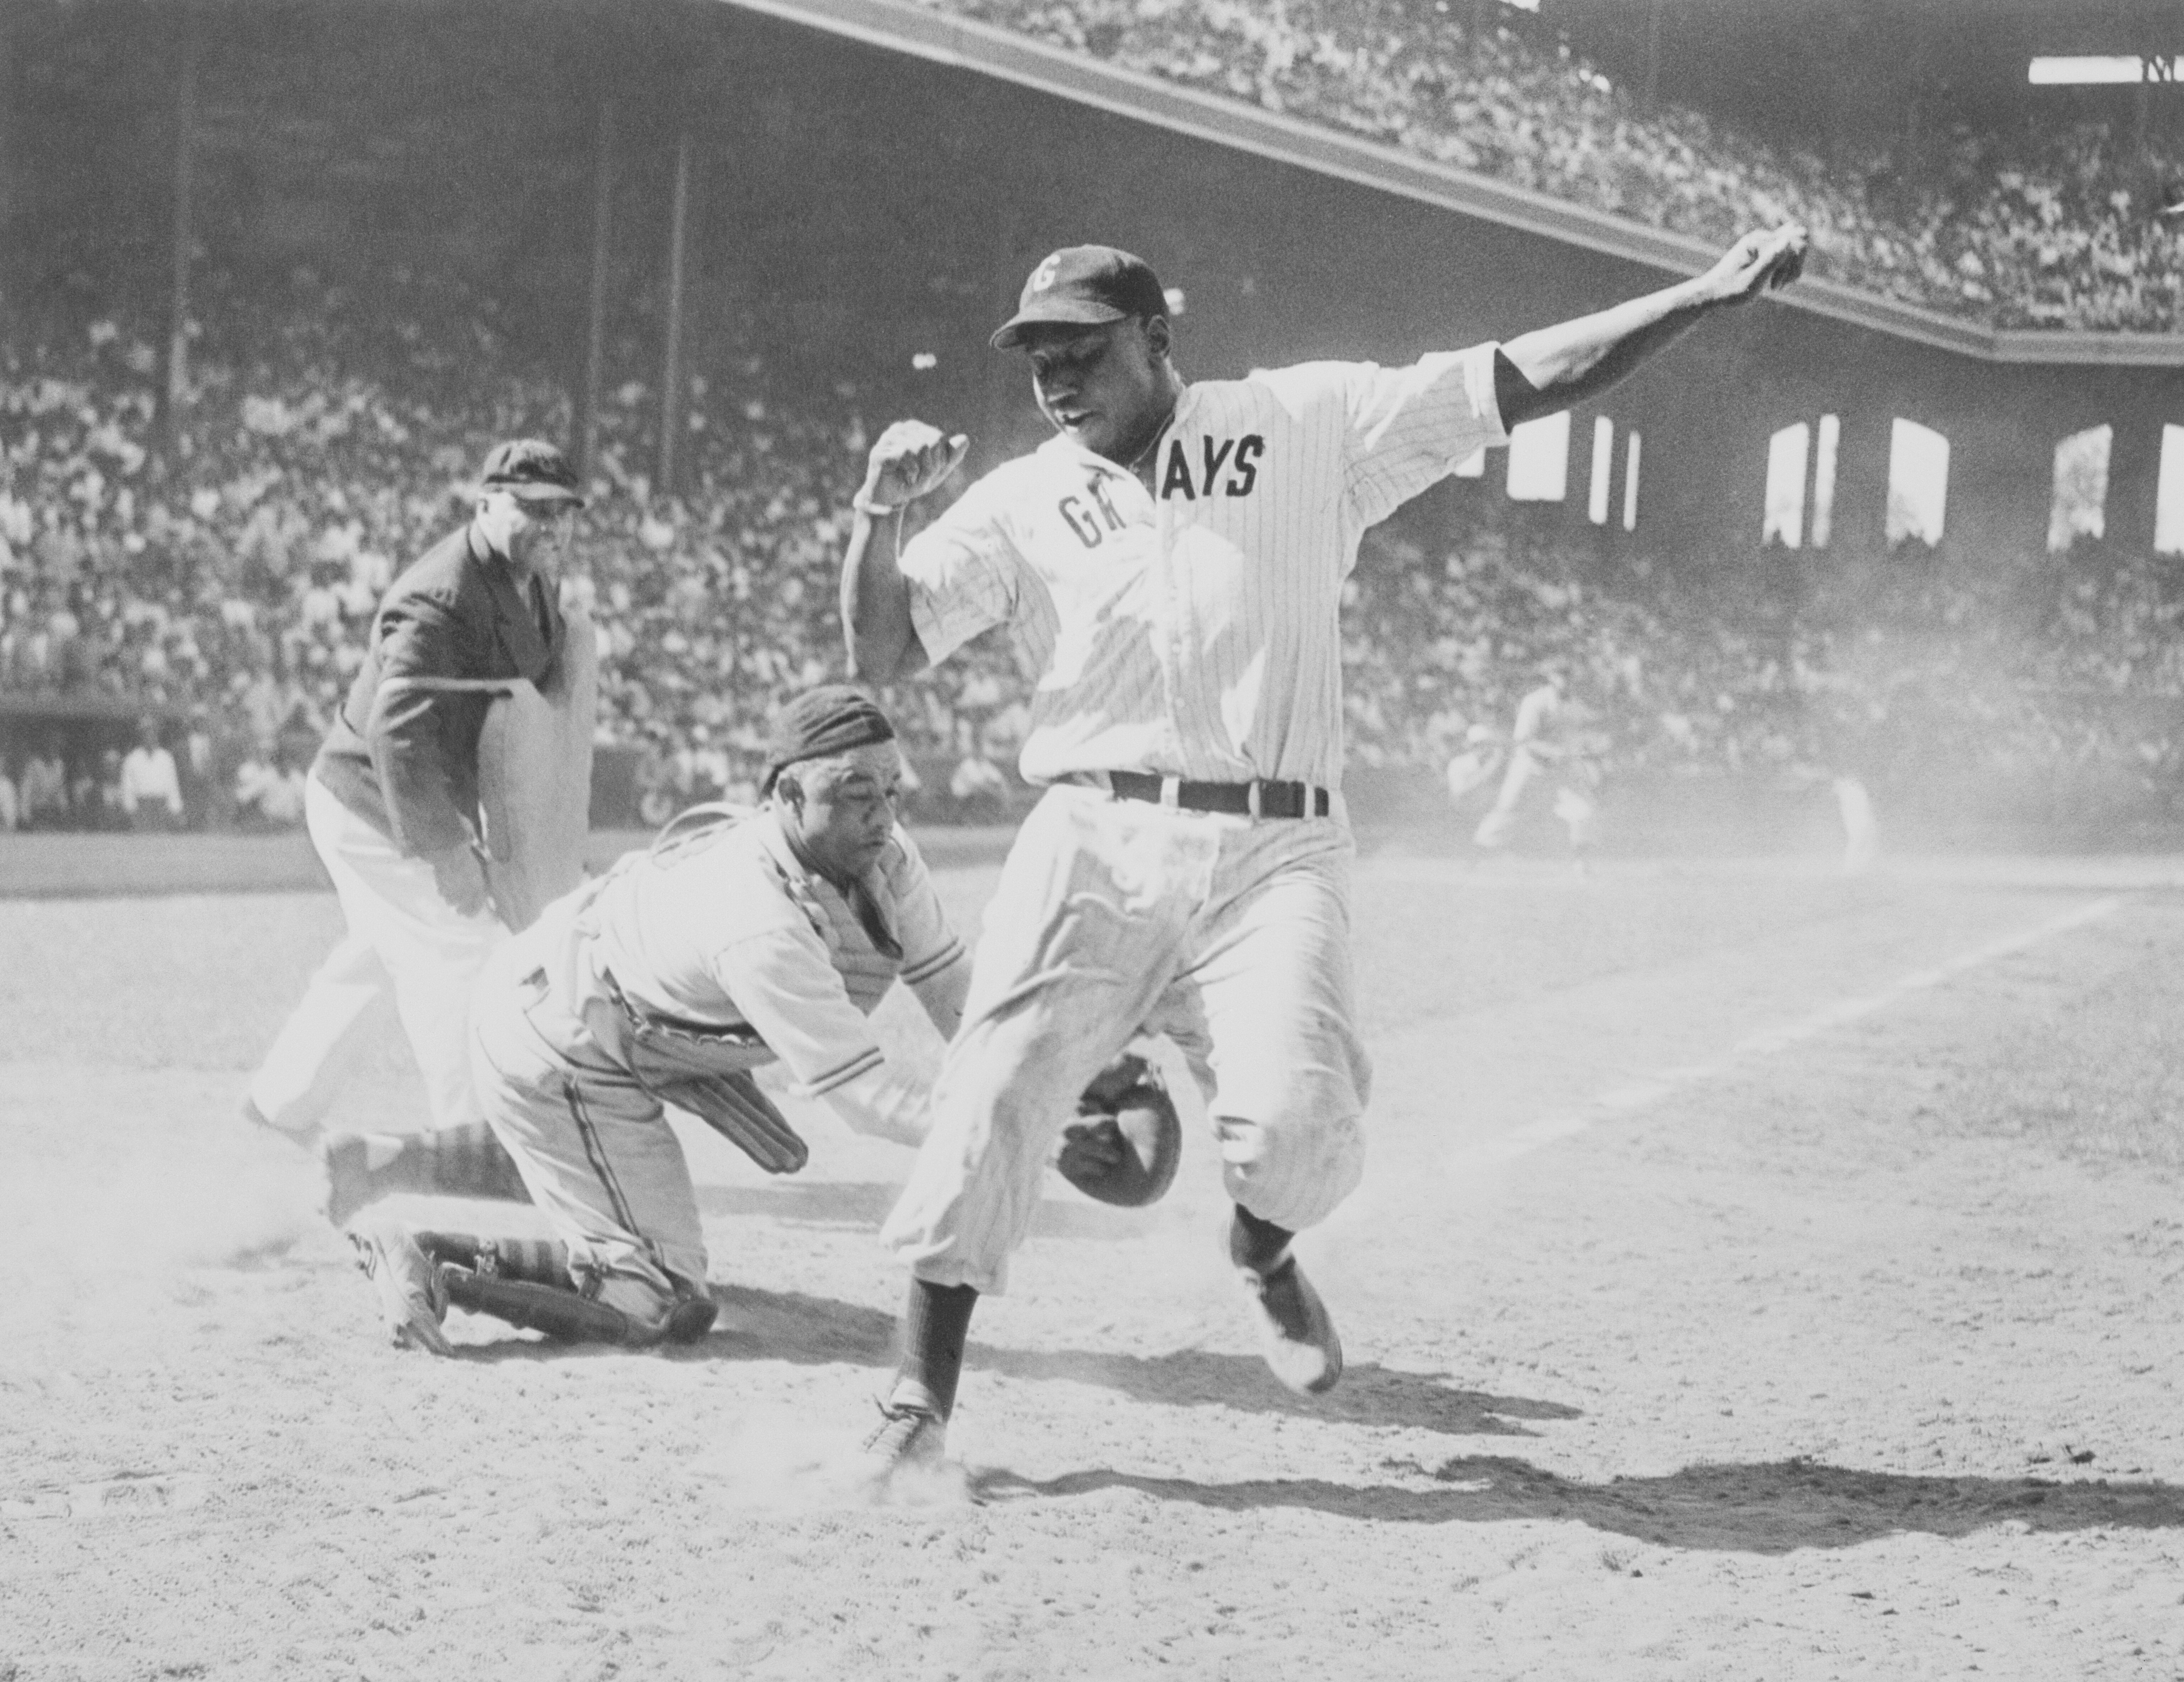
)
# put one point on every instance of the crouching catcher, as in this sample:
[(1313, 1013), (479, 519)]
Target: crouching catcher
[(739, 938)]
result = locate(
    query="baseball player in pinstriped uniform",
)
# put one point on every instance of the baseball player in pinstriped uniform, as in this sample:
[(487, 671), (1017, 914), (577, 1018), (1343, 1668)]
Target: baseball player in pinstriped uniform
[(1171, 564), (739, 939)]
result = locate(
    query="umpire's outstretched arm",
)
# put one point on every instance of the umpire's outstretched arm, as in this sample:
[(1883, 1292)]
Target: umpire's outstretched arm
[(1557, 366)]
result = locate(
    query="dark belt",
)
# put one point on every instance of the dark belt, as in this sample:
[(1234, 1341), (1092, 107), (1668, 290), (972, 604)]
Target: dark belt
[(1259, 798)]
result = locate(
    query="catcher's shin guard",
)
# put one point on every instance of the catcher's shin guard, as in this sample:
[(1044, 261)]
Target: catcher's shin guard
[(563, 1313)]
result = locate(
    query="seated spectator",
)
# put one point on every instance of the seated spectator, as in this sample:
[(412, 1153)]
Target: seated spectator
[(269, 796), (95, 796), (11, 809), (149, 791), (42, 797)]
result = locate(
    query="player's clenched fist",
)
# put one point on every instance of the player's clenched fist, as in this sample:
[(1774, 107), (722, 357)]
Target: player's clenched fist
[(909, 460), (1761, 261)]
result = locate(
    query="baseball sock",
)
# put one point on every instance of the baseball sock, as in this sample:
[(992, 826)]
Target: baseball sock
[(458, 1162), (1257, 1244), (540, 1261), (934, 1326)]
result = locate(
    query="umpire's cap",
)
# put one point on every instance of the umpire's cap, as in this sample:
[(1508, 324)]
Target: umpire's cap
[(1084, 285), (532, 469)]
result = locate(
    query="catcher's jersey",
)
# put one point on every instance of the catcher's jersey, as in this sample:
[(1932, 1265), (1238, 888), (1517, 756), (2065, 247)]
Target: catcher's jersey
[(728, 929), (1191, 629)]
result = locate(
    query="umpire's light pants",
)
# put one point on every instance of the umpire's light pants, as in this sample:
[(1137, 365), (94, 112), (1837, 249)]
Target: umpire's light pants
[(403, 941), (1231, 936)]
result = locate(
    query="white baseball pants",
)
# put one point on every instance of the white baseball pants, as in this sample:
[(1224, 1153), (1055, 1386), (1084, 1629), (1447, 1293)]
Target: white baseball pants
[(404, 941), (594, 1148), (1111, 915)]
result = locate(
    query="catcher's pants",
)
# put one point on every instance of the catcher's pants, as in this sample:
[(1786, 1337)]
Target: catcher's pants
[(1230, 936), (404, 941), (594, 1148)]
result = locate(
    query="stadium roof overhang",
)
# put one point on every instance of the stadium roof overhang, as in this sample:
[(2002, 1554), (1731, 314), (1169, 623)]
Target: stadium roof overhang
[(994, 51)]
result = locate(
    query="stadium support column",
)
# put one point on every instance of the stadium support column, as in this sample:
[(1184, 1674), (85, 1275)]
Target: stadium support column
[(186, 125), (7, 164), (671, 380), (1653, 91), (587, 396)]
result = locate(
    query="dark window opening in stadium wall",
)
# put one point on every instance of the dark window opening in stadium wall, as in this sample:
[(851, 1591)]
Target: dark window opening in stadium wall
[(1918, 483), (1784, 521), (1823, 480), (1603, 469), (1539, 459), (2169, 494), (2079, 505)]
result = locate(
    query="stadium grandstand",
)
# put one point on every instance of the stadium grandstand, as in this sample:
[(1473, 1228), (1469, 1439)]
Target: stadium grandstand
[(275, 273)]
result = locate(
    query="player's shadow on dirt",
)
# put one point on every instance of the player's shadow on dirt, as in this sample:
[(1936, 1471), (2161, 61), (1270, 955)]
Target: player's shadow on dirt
[(1768, 1508), (769, 1325), (790, 1326)]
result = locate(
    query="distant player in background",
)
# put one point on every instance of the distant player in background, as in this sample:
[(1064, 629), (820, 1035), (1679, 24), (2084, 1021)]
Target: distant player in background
[(1171, 565), (1475, 766), (1553, 743), (393, 801)]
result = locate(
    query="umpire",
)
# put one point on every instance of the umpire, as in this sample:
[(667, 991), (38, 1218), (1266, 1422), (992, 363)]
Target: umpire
[(392, 800)]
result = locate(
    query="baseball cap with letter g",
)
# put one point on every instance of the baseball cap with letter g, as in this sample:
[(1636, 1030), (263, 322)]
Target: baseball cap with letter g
[(1084, 285), (532, 469)]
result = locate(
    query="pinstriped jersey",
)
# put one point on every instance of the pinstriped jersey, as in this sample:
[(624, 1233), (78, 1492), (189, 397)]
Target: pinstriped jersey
[(1189, 627)]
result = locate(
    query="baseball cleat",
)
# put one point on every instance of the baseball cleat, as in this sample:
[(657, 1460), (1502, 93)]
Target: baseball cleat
[(412, 1297), (690, 1320), (1296, 1333), (906, 1439), (350, 1185)]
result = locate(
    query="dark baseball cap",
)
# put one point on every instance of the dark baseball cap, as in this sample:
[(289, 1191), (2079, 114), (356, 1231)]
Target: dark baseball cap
[(1084, 285), (819, 723), (532, 468)]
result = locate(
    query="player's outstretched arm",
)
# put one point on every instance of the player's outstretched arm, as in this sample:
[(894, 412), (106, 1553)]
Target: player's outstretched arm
[(909, 460), (1558, 366)]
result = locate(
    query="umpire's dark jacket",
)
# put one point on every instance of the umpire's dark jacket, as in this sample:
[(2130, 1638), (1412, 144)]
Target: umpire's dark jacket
[(409, 766)]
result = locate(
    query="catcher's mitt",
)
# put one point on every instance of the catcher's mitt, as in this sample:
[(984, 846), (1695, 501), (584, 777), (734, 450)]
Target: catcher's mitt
[(1123, 1146)]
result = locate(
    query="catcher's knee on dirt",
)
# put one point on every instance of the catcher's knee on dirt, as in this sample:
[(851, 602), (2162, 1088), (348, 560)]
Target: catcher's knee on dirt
[(1293, 1171)]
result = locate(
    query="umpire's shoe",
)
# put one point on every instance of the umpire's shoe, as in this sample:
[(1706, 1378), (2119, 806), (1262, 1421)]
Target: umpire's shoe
[(413, 1298), (1296, 1333)]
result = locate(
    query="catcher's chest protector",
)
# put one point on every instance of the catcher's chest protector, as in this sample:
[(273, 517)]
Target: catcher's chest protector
[(868, 968)]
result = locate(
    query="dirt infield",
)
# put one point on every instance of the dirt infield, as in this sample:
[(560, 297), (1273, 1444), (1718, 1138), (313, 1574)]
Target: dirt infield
[(1758, 1275)]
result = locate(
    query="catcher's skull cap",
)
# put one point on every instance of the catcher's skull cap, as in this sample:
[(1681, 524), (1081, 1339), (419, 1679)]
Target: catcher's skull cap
[(831, 719), (1084, 285), (532, 469)]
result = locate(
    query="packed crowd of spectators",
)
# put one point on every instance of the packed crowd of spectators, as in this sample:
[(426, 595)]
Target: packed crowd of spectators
[(1910, 672), (2055, 230), (224, 585), (227, 583)]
